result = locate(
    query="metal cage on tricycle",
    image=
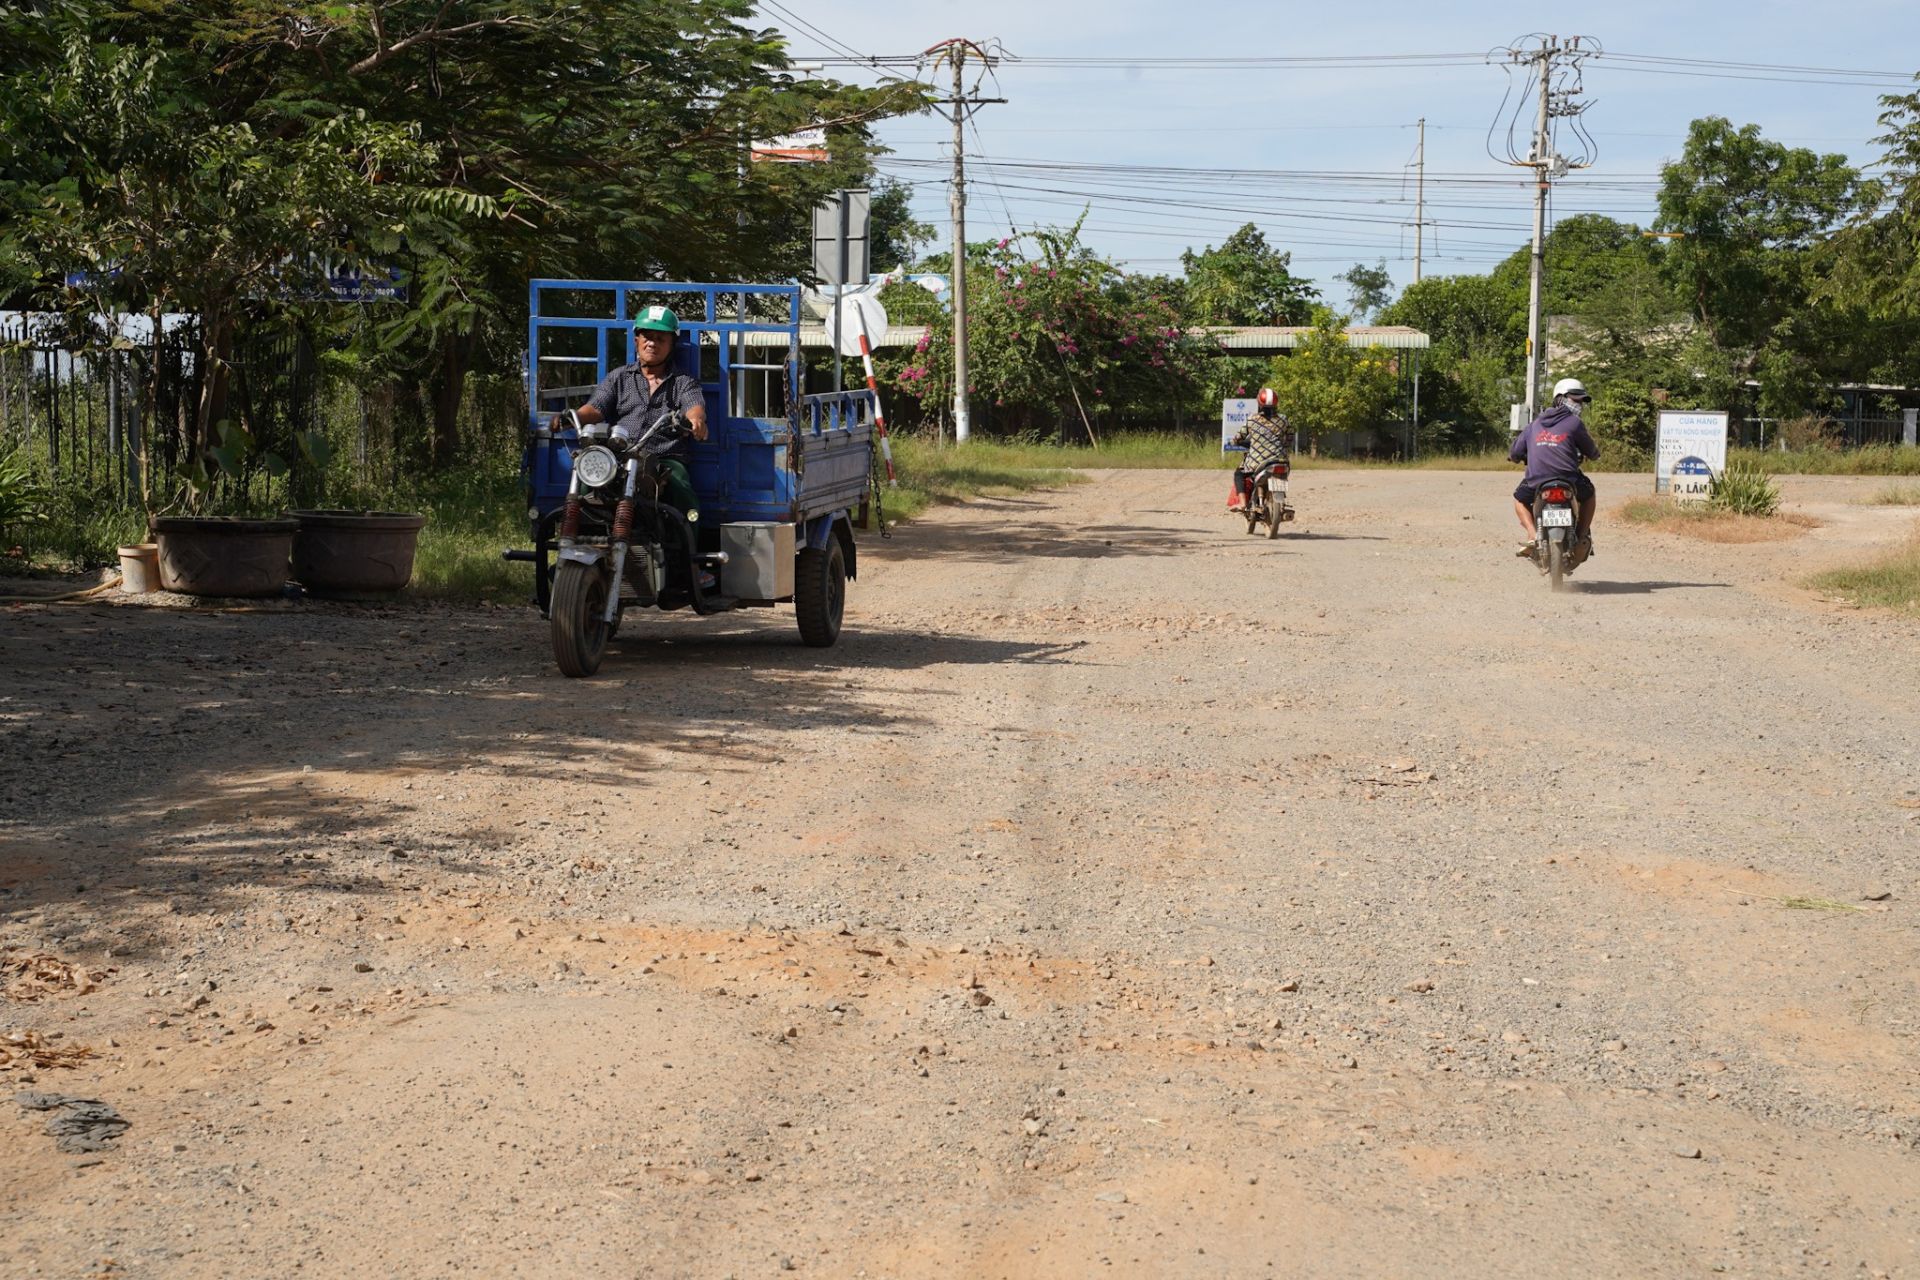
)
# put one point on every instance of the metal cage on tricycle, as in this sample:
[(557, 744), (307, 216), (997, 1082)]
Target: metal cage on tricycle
[(775, 459)]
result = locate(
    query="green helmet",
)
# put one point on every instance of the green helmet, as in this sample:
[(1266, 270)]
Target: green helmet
[(658, 319)]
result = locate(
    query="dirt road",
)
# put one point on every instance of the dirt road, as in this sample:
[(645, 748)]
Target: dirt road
[(1124, 894)]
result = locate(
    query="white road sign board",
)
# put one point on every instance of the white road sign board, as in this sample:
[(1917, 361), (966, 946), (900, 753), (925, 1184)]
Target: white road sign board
[(1233, 419), (1692, 438)]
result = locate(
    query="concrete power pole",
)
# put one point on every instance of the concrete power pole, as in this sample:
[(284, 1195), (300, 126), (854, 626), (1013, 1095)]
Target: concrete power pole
[(1553, 54), (962, 106), (957, 202), (1419, 199), (1542, 152)]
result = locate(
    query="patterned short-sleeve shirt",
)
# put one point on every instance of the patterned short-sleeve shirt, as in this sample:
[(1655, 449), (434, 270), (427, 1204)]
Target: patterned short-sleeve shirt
[(625, 400), (1266, 442)]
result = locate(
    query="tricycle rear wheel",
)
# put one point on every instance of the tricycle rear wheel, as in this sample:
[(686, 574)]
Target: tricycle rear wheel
[(820, 593), (579, 626)]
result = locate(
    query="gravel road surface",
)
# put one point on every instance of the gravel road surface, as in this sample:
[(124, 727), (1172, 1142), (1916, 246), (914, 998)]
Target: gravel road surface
[(1124, 894)]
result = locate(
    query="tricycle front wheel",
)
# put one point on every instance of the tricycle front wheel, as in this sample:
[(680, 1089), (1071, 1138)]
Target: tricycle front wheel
[(578, 624), (820, 593)]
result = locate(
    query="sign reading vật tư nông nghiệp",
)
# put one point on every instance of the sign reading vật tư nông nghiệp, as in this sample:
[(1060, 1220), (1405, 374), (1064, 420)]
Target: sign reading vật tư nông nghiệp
[(1688, 434)]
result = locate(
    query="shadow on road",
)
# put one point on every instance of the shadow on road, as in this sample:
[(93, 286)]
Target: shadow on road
[(1639, 588), (860, 648), (1001, 542), (186, 759), (1305, 536)]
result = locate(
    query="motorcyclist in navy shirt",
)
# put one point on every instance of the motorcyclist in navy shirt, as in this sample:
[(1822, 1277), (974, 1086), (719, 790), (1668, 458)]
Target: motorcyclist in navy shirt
[(1553, 445)]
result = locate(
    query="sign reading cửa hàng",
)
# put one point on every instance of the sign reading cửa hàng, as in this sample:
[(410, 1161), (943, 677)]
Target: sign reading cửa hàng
[(1695, 437)]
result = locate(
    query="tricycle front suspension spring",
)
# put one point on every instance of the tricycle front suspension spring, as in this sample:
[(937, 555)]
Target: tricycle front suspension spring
[(623, 520), (570, 519)]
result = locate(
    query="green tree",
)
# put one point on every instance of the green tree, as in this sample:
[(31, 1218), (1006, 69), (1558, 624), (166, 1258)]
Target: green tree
[(1584, 255), (165, 209), (1329, 385), (1747, 212), (597, 138), (1471, 373), (1461, 314), (1368, 288), (1058, 337), (1870, 271), (1245, 281), (895, 234)]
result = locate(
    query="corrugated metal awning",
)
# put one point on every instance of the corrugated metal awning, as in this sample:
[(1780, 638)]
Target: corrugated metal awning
[(1231, 337), (815, 335), (1273, 337)]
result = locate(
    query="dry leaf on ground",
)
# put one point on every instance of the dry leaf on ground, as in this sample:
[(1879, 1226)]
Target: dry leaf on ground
[(28, 977), (32, 1049)]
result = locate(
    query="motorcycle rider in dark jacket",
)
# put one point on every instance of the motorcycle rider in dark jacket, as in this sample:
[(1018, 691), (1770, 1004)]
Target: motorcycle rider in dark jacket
[(1552, 446)]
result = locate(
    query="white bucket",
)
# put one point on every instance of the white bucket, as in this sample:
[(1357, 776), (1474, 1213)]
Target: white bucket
[(140, 568)]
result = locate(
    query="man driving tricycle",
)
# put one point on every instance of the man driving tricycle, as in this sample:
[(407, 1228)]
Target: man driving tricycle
[(635, 396)]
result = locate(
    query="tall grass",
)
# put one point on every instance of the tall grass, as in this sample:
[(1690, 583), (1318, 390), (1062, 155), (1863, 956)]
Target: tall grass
[(19, 495), (1870, 460), (71, 526), (1888, 581), (1157, 450), (472, 516), (929, 473)]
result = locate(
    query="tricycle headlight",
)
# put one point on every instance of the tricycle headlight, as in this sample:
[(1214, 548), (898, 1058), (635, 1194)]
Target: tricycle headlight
[(595, 466)]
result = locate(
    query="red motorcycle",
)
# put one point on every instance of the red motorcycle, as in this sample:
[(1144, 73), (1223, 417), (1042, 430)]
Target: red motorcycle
[(1263, 497)]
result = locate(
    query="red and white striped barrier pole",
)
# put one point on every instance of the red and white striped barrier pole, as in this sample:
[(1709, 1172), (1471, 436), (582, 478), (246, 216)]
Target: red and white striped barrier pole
[(873, 385)]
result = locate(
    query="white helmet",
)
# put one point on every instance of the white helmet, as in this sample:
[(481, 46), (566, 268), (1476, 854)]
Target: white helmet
[(1572, 388)]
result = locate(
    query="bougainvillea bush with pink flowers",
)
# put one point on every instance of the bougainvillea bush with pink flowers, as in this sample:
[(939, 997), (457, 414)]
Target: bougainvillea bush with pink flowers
[(1061, 341)]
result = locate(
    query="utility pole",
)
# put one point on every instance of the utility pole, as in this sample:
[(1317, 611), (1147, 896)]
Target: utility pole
[(1419, 199), (962, 105), (1542, 150), (1554, 53), (957, 203)]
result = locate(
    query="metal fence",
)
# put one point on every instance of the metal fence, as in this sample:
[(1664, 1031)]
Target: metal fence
[(77, 417), (1842, 433), (86, 415)]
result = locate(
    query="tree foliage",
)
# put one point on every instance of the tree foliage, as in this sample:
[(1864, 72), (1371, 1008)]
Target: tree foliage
[(1368, 288), (1869, 272), (472, 146), (1477, 335), (1328, 385), (1748, 212), (1245, 281), (1058, 337)]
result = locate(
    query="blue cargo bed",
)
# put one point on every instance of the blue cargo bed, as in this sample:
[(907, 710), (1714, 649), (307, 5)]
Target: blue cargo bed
[(770, 454)]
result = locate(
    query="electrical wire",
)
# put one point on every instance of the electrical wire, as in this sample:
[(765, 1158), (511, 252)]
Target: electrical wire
[(1226, 193), (1382, 179), (846, 51), (843, 50), (980, 150), (1646, 64)]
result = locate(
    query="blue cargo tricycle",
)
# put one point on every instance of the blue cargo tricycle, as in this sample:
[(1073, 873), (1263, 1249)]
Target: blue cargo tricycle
[(778, 477)]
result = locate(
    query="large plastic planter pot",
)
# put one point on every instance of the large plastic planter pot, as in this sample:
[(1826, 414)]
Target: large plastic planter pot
[(355, 553), (224, 556)]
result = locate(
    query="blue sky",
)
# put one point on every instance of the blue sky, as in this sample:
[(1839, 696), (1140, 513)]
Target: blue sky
[(1352, 122)]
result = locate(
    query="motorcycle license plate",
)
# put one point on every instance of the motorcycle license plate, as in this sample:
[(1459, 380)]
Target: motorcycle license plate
[(1556, 517), (1277, 486)]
